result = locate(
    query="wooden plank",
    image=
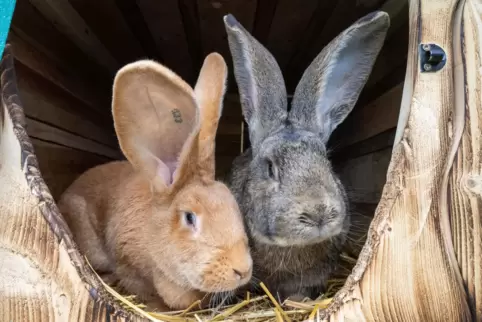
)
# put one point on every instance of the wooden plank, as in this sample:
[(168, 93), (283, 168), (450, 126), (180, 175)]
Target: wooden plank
[(49, 133), (61, 165), (462, 181), (410, 234), (392, 56), (165, 23), (370, 120), (378, 142), (106, 21), (134, 18), (290, 23), (36, 30), (263, 19), (77, 85), (343, 15), (69, 22), (364, 177), (192, 26), (213, 32), (45, 102)]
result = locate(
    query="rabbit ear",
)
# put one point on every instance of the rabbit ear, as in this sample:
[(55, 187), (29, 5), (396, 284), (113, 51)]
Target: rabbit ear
[(210, 89), (156, 120), (330, 86), (260, 83)]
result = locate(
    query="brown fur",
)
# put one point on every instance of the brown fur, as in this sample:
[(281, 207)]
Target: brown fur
[(127, 216)]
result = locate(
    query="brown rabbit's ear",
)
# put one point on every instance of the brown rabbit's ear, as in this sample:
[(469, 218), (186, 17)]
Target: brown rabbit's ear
[(156, 119), (210, 89)]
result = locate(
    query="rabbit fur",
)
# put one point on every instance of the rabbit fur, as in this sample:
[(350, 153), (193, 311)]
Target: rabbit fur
[(294, 206), (159, 224)]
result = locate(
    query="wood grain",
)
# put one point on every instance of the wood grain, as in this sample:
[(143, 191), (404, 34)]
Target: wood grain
[(43, 277), (370, 120), (465, 179), (61, 165), (107, 23), (343, 15), (289, 24), (365, 176), (45, 132), (45, 102), (166, 26), (30, 25), (76, 84), (69, 22), (213, 32), (408, 235)]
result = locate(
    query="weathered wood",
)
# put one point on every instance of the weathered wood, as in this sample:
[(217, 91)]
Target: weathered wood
[(345, 13), (50, 133), (106, 21), (190, 19), (76, 85), (465, 179), (137, 23), (173, 45), (61, 165), (408, 236), (37, 31), (289, 25), (378, 142), (370, 120), (263, 18), (365, 176), (44, 102), (213, 31), (43, 277), (69, 22)]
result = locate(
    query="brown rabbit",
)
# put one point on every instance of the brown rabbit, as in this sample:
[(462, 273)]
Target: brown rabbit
[(159, 223)]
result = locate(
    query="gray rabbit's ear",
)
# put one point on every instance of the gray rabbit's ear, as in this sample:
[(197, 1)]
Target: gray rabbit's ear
[(260, 83), (330, 86)]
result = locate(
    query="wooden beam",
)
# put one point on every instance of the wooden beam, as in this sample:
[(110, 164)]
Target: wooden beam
[(61, 165), (166, 26), (77, 85), (68, 21), (131, 11), (290, 23), (411, 233), (45, 132), (213, 32), (194, 37), (367, 121), (365, 176), (345, 13), (463, 178), (32, 27), (106, 21), (265, 11), (315, 27), (378, 142), (45, 102)]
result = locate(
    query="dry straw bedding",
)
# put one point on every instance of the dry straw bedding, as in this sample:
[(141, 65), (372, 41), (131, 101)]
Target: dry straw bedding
[(254, 308)]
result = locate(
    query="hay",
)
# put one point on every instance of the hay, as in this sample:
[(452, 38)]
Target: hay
[(259, 308)]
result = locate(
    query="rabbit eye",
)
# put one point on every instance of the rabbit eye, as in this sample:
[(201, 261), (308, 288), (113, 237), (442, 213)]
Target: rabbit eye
[(190, 218)]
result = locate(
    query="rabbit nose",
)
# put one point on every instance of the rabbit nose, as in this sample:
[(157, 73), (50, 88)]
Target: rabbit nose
[(242, 274)]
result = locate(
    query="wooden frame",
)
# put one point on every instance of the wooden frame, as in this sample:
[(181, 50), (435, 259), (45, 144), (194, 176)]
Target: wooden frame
[(422, 258)]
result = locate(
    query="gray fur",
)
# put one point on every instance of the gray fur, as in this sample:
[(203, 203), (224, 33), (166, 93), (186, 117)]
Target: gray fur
[(297, 213)]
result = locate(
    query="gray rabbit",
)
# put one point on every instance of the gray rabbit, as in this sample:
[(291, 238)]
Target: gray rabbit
[(294, 205)]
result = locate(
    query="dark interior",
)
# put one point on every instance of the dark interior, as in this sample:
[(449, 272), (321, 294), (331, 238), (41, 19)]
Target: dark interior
[(67, 53)]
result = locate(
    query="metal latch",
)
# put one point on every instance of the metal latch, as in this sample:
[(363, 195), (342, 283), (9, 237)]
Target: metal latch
[(432, 58)]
